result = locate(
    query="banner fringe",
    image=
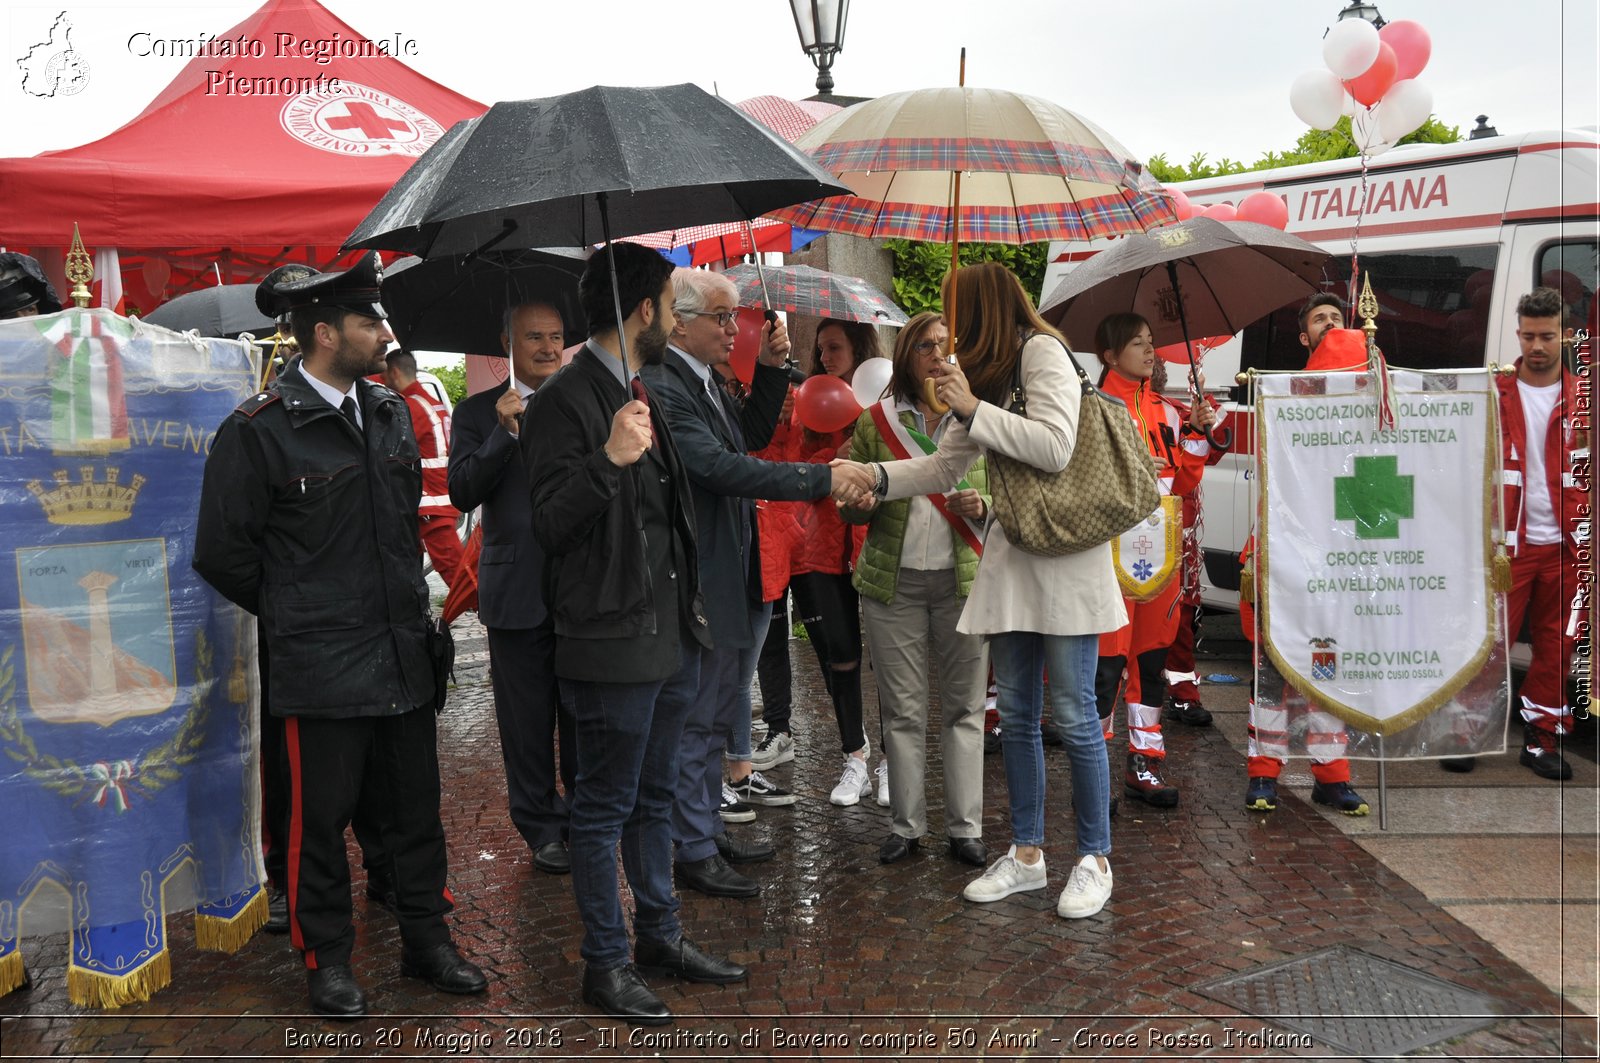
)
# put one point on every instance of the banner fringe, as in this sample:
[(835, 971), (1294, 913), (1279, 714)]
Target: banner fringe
[(216, 934), (92, 989), (12, 974)]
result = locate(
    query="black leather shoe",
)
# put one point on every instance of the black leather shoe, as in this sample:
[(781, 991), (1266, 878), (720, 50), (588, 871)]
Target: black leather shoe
[(1459, 765), (334, 992), (713, 877), (552, 858), (380, 891), (443, 968), (735, 851), (622, 994), (277, 911), (970, 851), (683, 959), (895, 848)]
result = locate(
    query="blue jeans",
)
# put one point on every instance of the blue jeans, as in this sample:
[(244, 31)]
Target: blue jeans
[(739, 733), (1020, 662), (627, 739)]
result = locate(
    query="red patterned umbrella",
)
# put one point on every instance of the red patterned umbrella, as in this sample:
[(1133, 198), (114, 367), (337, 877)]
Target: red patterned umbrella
[(808, 290)]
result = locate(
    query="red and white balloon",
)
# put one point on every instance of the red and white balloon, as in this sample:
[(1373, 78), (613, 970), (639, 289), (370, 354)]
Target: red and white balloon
[(1370, 75)]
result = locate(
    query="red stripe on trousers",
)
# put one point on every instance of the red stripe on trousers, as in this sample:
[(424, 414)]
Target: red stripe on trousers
[(291, 738)]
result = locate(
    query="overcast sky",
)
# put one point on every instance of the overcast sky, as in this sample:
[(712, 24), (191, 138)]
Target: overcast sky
[(1161, 76)]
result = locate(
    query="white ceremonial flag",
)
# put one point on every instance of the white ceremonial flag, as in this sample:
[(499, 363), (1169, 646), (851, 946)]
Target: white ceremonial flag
[(1375, 562)]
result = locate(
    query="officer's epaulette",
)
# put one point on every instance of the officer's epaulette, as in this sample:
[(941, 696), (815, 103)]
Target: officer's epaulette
[(257, 402)]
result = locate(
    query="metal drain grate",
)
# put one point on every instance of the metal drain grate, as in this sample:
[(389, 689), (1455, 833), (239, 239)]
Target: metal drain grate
[(1349, 1001)]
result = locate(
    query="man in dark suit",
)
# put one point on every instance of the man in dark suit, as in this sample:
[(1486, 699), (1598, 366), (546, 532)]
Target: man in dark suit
[(713, 436), (486, 470), (611, 508)]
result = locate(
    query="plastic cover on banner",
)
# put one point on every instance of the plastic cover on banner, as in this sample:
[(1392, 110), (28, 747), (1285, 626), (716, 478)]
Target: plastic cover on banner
[(129, 774), (1380, 631)]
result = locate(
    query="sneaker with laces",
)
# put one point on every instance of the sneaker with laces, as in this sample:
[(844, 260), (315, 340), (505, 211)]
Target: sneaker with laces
[(1339, 795), (1088, 889), (734, 810), (1262, 794), (777, 748), (1006, 876), (1143, 782), (1190, 712), (854, 784), (883, 783), (1541, 755), (757, 789)]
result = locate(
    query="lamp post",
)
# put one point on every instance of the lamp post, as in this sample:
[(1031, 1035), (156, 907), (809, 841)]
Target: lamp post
[(1369, 12), (820, 24)]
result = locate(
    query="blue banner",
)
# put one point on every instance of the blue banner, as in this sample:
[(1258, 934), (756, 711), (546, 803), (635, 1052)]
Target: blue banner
[(129, 778)]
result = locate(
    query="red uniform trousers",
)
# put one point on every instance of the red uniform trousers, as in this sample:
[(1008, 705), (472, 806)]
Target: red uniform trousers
[(439, 538), (1143, 641), (1543, 586)]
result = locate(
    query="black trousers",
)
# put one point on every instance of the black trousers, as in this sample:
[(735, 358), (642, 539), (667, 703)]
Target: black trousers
[(530, 714), (336, 766), (831, 611), (772, 671)]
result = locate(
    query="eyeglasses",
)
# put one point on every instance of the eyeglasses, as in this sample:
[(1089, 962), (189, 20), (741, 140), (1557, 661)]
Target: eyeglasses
[(927, 346), (723, 320)]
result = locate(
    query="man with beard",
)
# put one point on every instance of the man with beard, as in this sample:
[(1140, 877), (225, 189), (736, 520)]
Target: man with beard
[(612, 509), (307, 520), (486, 470)]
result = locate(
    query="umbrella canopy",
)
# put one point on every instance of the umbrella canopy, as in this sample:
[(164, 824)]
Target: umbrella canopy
[(1228, 274), (458, 303), (807, 290), (225, 310), (1030, 170), (540, 173)]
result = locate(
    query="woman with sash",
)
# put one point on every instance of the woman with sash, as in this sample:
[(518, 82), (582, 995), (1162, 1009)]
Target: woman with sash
[(1148, 557), (914, 574)]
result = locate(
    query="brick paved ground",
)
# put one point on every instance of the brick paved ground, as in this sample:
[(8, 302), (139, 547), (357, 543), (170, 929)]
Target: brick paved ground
[(848, 958)]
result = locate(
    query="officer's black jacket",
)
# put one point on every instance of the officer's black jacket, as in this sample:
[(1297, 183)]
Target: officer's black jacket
[(313, 527)]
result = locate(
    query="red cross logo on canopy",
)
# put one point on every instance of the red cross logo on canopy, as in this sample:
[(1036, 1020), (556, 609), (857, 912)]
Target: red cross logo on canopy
[(359, 120), (369, 121)]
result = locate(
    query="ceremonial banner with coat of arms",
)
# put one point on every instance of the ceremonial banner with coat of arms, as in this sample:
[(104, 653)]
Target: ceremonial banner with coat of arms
[(1375, 583), (128, 776)]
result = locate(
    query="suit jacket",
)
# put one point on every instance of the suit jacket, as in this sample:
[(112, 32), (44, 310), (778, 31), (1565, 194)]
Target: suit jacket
[(486, 470), (724, 479)]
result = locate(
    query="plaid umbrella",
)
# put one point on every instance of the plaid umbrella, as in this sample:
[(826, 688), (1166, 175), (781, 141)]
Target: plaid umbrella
[(815, 292), (1030, 170), (700, 244)]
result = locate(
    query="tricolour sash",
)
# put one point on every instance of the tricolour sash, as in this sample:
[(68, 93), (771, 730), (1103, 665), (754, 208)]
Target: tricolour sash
[(1147, 555), (906, 443)]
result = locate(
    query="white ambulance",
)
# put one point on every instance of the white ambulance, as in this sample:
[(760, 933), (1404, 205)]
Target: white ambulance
[(1453, 235)]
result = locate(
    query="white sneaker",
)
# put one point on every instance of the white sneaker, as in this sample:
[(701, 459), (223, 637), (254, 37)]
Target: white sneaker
[(1006, 876), (734, 810), (758, 729), (854, 784), (883, 783), (777, 748), (1088, 889)]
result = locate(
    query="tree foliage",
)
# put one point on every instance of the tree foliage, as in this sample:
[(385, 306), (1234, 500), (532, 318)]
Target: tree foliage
[(454, 379), (1314, 145), (920, 268)]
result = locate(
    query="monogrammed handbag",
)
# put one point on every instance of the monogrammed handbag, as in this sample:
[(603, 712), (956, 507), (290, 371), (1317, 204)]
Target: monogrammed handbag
[(1108, 486)]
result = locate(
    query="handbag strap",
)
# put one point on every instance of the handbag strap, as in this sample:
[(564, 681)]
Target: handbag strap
[(1016, 370)]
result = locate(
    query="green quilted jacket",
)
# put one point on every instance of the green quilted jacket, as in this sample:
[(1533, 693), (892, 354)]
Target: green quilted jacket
[(878, 567)]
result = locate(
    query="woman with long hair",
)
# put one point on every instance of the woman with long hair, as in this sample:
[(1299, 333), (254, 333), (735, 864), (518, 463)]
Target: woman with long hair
[(1178, 444), (1039, 613), (914, 575), (823, 594)]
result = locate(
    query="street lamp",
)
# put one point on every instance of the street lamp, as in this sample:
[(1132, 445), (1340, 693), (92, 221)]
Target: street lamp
[(1356, 9), (820, 24)]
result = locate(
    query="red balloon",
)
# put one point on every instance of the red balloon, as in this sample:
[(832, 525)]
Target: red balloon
[(1265, 208), (1412, 46), (747, 344), (1370, 86), (1220, 212), (825, 404), (1181, 204)]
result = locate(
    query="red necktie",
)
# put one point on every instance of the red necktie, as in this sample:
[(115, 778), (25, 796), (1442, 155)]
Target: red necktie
[(637, 387)]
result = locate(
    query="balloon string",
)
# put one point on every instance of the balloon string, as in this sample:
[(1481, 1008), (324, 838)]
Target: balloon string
[(1355, 236)]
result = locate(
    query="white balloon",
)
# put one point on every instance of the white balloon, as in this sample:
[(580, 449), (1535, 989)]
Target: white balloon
[(1366, 129), (871, 379), (1349, 106), (1406, 106), (1316, 98), (1350, 47)]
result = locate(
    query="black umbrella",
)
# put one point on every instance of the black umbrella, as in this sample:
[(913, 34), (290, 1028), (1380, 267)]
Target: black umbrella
[(459, 303), (1198, 277), (225, 310)]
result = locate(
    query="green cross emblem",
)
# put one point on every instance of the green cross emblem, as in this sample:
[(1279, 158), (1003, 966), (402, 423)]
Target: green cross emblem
[(1377, 497)]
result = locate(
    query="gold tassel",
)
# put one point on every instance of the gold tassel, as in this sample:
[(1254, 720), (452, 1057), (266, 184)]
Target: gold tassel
[(217, 934), (1247, 586), (12, 974), (238, 691), (1502, 570), (91, 989)]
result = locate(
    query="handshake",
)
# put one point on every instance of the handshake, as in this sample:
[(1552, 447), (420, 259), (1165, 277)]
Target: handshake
[(854, 484)]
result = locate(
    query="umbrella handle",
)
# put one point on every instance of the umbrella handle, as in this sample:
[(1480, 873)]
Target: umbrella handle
[(1221, 438)]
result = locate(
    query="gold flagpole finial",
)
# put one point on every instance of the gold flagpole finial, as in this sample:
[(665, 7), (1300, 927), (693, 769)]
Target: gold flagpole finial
[(80, 271), (1367, 307)]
